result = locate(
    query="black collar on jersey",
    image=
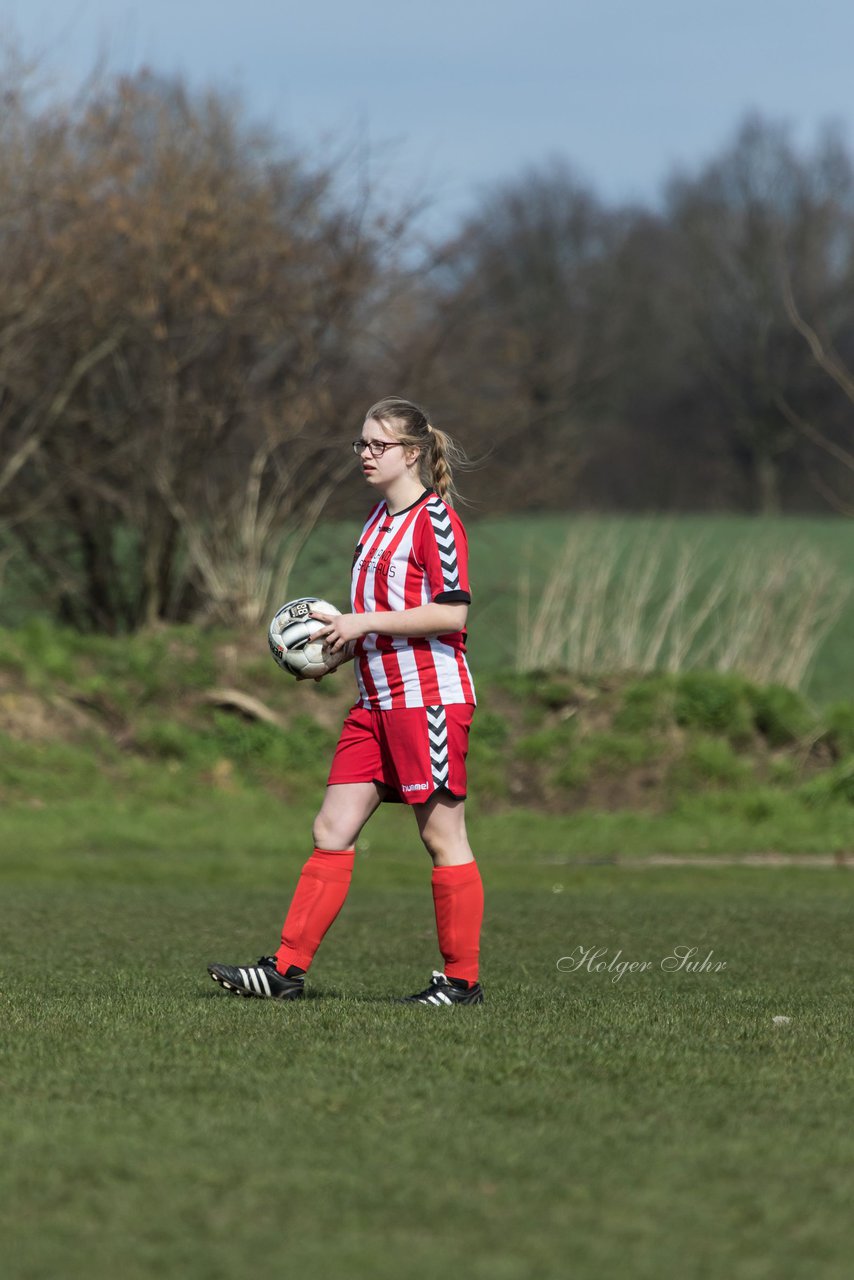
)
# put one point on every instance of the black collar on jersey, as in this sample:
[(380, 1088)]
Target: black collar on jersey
[(388, 516)]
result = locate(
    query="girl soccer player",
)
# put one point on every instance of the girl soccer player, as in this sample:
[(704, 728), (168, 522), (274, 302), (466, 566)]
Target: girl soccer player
[(406, 738)]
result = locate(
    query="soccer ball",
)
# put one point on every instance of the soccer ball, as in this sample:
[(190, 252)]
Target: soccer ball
[(290, 639)]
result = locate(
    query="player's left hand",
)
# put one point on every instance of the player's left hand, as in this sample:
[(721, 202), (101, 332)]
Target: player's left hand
[(340, 629)]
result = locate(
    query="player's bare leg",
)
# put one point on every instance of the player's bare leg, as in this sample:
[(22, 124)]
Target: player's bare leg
[(442, 825), (345, 810)]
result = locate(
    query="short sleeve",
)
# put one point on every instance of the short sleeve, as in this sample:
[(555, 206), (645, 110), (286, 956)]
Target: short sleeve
[(442, 550)]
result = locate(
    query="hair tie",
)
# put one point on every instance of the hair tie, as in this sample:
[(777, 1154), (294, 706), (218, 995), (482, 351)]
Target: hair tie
[(429, 428)]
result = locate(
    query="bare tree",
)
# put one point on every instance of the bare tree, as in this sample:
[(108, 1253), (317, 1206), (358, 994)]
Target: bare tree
[(758, 207), (180, 356), (518, 330), (831, 364)]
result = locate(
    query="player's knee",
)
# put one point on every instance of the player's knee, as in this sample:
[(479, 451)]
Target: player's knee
[(432, 846), (330, 834), (447, 849), (441, 849)]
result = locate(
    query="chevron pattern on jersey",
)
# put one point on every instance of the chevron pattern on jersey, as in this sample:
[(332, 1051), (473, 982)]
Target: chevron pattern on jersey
[(441, 523), (437, 735)]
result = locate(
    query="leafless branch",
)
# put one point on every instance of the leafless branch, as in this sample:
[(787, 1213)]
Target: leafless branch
[(824, 357)]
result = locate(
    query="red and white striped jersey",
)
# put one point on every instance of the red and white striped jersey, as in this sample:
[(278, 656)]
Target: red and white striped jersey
[(404, 560)]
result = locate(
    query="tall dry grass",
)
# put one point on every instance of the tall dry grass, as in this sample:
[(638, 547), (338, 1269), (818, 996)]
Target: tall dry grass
[(660, 602)]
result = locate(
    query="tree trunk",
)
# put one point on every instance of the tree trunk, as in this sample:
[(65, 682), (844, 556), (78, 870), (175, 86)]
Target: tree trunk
[(767, 480)]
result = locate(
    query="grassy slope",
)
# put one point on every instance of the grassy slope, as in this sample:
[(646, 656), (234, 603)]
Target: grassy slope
[(112, 745)]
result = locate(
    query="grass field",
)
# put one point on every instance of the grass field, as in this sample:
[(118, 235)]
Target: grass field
[(582, 1123), (655, 1125)]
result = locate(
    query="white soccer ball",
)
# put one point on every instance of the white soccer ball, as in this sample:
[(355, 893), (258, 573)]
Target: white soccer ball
[(290, 639)]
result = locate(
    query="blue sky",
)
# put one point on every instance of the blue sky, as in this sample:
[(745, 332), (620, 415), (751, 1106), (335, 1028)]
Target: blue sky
[(452, 96)]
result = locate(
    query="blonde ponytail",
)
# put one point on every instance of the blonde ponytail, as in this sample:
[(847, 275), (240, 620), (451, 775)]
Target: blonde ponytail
[(439, 453), (443, 454)]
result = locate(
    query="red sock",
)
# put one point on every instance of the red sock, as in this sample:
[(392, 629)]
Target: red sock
[(318, 897), (458, 899)]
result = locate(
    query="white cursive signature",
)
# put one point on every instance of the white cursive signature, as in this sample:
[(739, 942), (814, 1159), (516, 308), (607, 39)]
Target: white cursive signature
[(594, 960)]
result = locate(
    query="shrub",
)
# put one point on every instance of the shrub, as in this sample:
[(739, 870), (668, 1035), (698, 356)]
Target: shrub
[(615, 751), (548, 744), (302, 748), (486, 761), (709, 760), (783, 772), (549, 689), (646, 705), (780, 714), (157, 663), (575, 771), (168, 740), (714, 703), (831, 786), (760, 806), (839, 731), (490, 729), (47, 653), (487, 771)]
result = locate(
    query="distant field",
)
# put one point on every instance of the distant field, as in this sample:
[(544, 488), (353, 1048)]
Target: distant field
[(503, 551), (506, 551)]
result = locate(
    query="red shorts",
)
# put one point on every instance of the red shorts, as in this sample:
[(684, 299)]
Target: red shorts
[(415, 751)]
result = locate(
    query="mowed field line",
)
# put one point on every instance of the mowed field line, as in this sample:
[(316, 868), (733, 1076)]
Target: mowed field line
[(772, 861)]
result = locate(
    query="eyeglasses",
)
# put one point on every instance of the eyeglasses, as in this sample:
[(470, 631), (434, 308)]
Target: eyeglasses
[(377, 447)]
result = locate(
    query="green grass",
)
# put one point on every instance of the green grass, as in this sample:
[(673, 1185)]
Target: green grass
[(653, 1126), (502, 551), (557, 769), (241, 839)]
